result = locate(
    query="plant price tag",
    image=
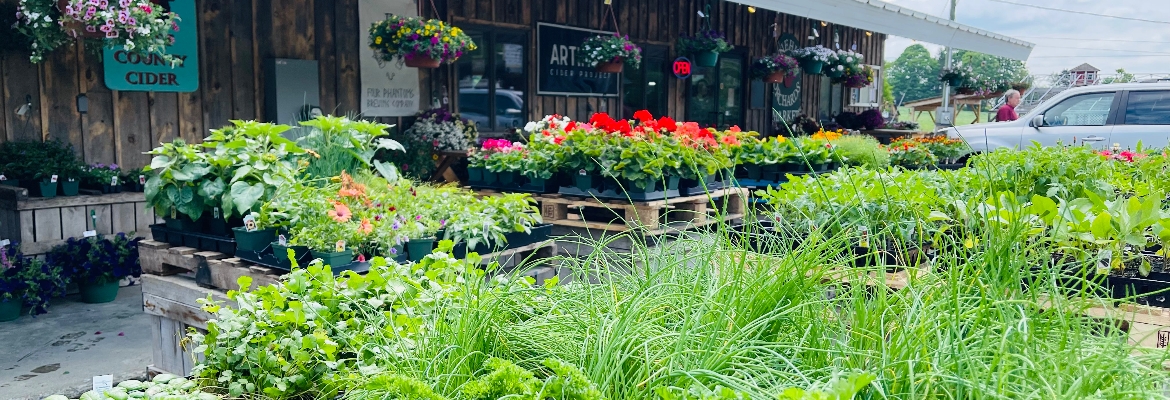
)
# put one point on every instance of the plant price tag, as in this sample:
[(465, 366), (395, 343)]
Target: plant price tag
[(1104, 261), (250, 223), (113, 181), (89, 234), (4, 243), (282, 240), (53, 179), (340, 246), (102, 383), (582, 172), (174, 214), (215, 212), (3, 178), (863, 242), (141, 179)]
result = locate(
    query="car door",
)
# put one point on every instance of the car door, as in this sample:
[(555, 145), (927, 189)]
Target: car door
[(1146, 119), (1079, 119)]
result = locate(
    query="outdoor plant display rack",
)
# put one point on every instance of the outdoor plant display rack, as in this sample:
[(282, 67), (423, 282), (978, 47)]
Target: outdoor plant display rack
[(43, 223)]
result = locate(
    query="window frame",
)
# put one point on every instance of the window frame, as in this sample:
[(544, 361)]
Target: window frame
[(1123, 109), (1111, 116), (875, 86), (491, 38), (744, 87)]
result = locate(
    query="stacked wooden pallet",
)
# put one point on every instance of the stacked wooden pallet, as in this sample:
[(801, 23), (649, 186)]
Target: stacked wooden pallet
[(652, 217)]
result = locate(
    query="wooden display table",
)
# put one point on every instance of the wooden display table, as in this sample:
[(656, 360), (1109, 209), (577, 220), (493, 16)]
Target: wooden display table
[(40, 224)]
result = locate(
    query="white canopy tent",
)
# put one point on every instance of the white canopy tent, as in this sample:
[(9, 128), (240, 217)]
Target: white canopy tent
[(882, 17)]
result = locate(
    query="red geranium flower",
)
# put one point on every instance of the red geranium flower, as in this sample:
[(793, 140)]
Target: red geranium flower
[(667, 123), (643, 115)]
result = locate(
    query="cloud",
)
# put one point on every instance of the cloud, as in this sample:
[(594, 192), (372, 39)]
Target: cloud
[(1064, 40)]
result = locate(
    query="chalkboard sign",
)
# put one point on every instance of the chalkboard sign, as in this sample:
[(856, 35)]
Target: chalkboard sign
[(561, 70)]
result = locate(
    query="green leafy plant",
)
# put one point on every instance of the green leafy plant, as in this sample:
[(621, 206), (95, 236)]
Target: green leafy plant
[(258, 159), (340, 144), (29, 281), (176, 181), (610, 48), (706, 40)]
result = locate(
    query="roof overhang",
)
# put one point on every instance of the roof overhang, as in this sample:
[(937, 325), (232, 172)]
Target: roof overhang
[(882, 17)]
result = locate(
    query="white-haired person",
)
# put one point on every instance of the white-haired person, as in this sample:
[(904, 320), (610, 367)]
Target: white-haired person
[(1007, 112)]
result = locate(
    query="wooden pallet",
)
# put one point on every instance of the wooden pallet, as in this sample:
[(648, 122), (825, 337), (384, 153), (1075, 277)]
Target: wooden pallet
[(683, 212), (158, 258)]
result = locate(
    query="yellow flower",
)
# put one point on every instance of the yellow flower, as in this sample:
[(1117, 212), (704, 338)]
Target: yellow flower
[(378, 40), (446, 40)]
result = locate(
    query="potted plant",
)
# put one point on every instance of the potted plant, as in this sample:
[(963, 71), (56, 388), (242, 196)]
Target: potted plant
[(97, 264), (436, 130), (705, 46), (813, 59), (255, 235), (175, 178), (133, 180), (871, 119), (858, 78), (777, 68), (46, 178), (104, 177), (418, 42), (505, 161), (539, 166), (26, 281), (909, 155), (477, 173), (846, 64), (38, 21), (958, 76), (421, 237), (138, 27), (607, 53), (331, 242)]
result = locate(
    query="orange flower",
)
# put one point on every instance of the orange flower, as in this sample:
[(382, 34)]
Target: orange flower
[(366, 227), (340, 212), (349, 188)]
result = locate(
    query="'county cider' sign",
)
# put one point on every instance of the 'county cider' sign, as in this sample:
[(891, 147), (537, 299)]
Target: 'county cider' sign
[(562, 70), (130, 71)]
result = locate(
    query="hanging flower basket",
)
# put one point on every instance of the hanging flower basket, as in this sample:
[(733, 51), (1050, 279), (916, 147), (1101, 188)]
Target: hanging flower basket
[(777, 68), (705, 46), (612, 67), (418, 42), (813, 59), (142, 27), (602, 51), (415, 60)]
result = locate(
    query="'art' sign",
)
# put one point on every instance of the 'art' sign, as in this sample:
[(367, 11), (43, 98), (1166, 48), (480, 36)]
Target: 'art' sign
[(561, 67), (130, 71)]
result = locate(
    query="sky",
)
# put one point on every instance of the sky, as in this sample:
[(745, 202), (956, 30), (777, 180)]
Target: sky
[(1064, 40)]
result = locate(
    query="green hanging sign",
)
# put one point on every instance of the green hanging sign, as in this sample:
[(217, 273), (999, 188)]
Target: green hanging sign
[(129, 71)]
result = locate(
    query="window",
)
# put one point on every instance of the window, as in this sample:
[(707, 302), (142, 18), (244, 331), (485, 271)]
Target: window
[(492, 81), (1083, 110), (645, 87), (829, 102), (715, 97), (1148, 108), (869, 96)]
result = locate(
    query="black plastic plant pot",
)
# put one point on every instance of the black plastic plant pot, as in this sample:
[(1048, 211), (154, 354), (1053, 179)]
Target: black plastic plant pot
[(538, 185), (256, 240), (280, 252), (583, 182), (792, 167), (417, 249), (48, 189), (223, 227), (753, 171), (70, 188), (475, 175), (335, 259), (184, 223)]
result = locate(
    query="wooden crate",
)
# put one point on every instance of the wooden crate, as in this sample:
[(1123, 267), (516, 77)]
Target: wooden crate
[(41, 224), (171, 302), (681, 212)]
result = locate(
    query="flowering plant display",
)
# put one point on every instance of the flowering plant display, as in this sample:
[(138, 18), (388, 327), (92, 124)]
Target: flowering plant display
[(1123, 155), (444, 130), (909, 154), (98, 175), (39, 21), (959, 76), (399, 37), (29, 280), (944, 148), (500, 155), (858, 78), (816, 53), (611, 48), (764, 66), (871, 119), (137, 25), (96, 260), (707, 40)]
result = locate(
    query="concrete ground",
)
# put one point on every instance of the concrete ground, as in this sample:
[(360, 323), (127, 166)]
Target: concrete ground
[(60, 352)]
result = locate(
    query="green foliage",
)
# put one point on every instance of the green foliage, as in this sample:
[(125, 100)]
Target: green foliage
[(912, 74), (39, 161), (29, 281), (862, 151), (394, 387), (503, 379), (341, 144)]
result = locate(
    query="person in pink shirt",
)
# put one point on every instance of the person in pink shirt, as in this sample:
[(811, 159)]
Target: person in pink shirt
[(1007, 112)]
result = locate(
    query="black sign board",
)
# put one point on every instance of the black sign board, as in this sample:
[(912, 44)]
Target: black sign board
[(786, 96), (560, 69)]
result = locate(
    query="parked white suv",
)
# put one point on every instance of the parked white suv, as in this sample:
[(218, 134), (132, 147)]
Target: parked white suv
[(1098, 116)]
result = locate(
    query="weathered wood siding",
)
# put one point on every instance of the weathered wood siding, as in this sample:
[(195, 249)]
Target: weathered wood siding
[(237, 36)]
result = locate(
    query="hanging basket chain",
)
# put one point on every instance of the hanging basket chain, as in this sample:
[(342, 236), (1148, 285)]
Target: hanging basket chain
[(613, 17)]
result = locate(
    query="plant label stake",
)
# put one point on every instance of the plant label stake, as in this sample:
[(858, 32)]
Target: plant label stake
[(53, 179), (4, 243), (102, 383), (174, 215), (250, 223), (863, 242), (282, 240), (340, 247), (113, 181), (141, 179), (1104, 261), (215, 212), (93, 218), (3, 178), (582, 172)]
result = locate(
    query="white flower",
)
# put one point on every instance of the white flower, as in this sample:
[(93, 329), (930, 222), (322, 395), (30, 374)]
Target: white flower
[(530, 126)]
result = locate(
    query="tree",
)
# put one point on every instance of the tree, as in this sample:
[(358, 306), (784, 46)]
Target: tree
[(914, 75), (887, 91), (1122, 77)]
